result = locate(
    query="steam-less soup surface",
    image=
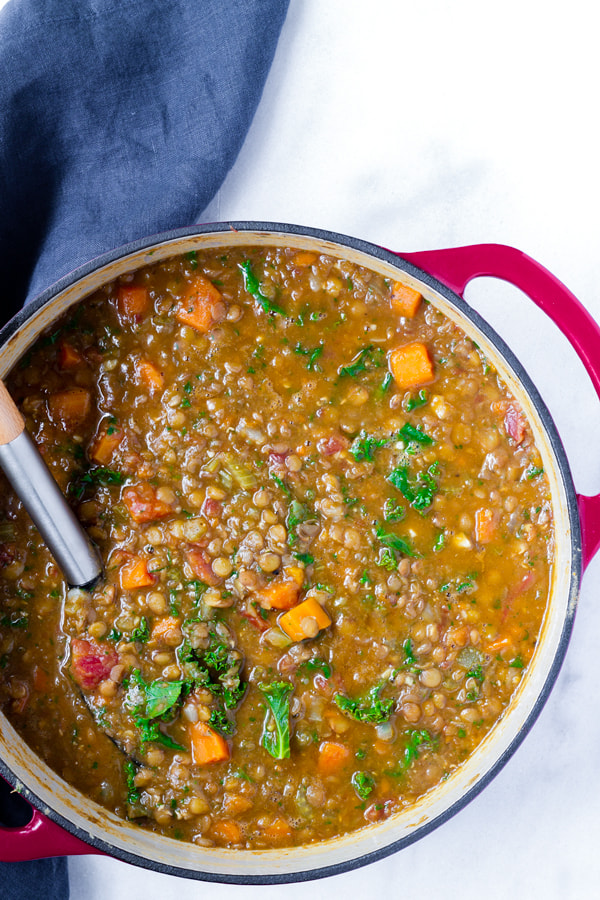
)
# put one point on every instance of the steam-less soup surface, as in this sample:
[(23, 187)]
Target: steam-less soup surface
[(327, 538)]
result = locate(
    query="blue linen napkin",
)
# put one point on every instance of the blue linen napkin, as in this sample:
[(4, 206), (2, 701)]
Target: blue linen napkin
[(118, 119)]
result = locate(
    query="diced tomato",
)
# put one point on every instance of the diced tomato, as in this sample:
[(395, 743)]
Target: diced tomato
[(201, 565), (8, 554), (514, 424), (91, 663), (335, 443), (143, 504), (212, 509), (250, 613), (528, 580)]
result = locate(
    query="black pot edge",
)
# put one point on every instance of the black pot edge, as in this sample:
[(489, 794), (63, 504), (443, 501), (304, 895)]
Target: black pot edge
[(387, 256)]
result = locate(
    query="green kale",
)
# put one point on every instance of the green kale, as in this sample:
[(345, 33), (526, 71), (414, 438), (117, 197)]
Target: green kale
[(420, 491), (133, 793), (363, 783), (412, 434), (314, 665), (373, 709), (142, 632), (276, 732), (364, 446), (416, 402), (252, 285), (220, 721), (393, 542), (94, 477), (365, 360), (312, 355)]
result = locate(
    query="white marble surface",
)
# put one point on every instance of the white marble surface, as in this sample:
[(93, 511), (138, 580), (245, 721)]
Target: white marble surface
[(418, 126)]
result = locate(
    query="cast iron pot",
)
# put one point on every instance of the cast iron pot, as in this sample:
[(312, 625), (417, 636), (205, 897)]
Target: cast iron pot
[(65, 822)]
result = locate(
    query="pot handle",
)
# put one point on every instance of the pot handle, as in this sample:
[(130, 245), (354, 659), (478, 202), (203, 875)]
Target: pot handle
[(39, 839), (456, 267)]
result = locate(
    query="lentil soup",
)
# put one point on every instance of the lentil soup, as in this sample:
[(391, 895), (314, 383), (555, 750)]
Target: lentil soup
[(327, 537)]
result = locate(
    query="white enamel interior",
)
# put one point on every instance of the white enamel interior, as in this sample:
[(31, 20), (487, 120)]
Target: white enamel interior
[(130, 840)]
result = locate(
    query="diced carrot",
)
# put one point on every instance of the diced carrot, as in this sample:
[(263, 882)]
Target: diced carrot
[(207, 745), (279, 595), (133, 301), (135, 574), (410, 364), (304, 258), (163, 626), (499, 644), (40, 679), (304, 620), (149, 375), (485, 525), (104, 446), (295, 573), (144, 505), (70, 407), (227, 830), (201, 306), (405, 300), (279, 829), (332, 757), (68, 356)]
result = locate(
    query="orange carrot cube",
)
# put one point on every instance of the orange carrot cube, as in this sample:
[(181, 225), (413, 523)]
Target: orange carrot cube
[(207, 745), (279, 595), (134, 574), (149, 375), (68, 356), (405, 300), (485, 525), (133, 301), (332, 757), (70, 407), (410, 365), (304, 620), (105, 445), (201, 306)]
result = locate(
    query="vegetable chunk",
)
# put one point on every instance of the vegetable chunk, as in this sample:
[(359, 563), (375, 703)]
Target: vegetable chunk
[(144, 505), (208, 747), (332, 757), (405, 300), (202, 305), (133, 301), (305, 620), (91, 662), (411, 365), (135, 574)]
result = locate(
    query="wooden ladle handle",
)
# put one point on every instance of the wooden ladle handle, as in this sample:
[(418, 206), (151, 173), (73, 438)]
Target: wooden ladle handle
[(11, 420), (41, 496)]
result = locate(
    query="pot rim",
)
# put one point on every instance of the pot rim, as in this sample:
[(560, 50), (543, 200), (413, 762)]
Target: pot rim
[(563, 471)]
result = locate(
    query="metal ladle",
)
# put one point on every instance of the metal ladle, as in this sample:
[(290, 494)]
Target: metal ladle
[(39, 493)]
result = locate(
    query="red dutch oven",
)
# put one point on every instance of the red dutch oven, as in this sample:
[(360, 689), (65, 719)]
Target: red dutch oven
[(64, 822)]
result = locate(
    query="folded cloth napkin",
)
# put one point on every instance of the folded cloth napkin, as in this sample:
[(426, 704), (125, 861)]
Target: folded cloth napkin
[(118, 119)]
